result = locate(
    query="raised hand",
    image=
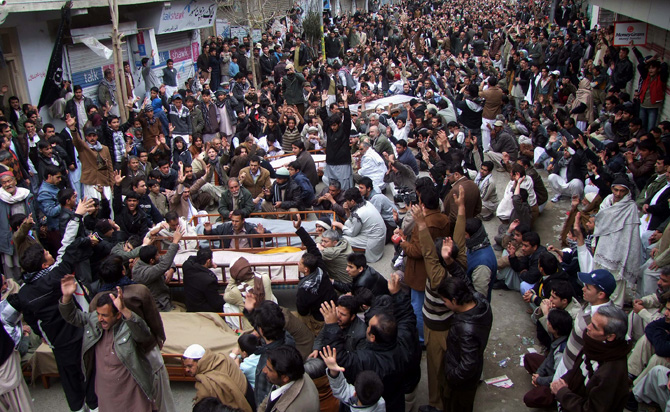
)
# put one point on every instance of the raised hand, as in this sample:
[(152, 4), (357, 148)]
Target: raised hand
[(329, 312), (394, 284), (419, 217), (297, 222), (118, 178), (118, 302), (447, 247), (329, 357), (70, 122), (459, 198), (84, 207), (68, 285)]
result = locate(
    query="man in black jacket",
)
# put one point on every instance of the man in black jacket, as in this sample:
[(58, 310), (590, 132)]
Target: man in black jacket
[(363, 276), (237, 226), (338, 155), (139, 186), (200, 283), (39, 298), (130, 218), (267, 63), (467, 339), (528, 265), (391, 350)]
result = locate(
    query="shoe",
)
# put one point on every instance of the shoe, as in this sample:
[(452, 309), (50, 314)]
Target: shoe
[(487, 218), (556, 198), (631, 403), (538, 166), (499, 285), (497, 247)]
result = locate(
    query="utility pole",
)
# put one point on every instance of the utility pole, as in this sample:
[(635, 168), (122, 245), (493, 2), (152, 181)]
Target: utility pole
[(119, 76)]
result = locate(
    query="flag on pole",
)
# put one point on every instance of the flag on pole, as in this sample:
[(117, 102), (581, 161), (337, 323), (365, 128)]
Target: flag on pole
[(54, 77)]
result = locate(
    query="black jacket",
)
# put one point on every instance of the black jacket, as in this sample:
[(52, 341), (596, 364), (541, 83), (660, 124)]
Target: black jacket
[(41, 292), (128, 223), (467, 339), (147, 206), (660, 211), (542, 289), (267, 64), (339, 152), (293, 196), (527, 266), (369, 279), (390, 360), (308, 301), (200, 288), (227, 229)]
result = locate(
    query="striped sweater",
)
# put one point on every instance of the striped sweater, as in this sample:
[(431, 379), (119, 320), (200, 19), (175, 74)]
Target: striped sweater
[(576, 339), (436, 316)]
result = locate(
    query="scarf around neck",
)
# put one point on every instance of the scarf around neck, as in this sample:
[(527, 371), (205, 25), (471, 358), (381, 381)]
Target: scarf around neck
[(112, 90), (19, 196), (479, 240), (96, 147)]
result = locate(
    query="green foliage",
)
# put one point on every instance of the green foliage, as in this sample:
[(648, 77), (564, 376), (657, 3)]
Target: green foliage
[(312, 28)]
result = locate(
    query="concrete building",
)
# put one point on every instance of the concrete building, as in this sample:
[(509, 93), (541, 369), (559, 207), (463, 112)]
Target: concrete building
[(28, 32)]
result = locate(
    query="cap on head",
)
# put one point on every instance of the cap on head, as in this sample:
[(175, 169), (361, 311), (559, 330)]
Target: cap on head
[(194, 351), (89, 131), (283, 172), (498, 123), (324, 222), (600, 278)]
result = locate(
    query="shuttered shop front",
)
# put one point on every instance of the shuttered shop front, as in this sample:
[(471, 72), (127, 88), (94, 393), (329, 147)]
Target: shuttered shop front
[(180, 48), (87, 68)]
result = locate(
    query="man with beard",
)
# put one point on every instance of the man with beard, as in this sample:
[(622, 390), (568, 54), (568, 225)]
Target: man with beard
[(617, 224)]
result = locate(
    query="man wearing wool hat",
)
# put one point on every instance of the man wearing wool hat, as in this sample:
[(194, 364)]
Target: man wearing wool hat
[(217, 376), (617, 224)]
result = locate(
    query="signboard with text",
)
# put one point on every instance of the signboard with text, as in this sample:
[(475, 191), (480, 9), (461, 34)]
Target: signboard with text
[(186, 15), (627, 32)]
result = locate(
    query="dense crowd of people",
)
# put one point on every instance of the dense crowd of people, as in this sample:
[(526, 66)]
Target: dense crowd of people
[(477, 95)]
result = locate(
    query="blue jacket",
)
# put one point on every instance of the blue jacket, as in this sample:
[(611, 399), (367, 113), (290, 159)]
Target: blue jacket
[(47, 203), (483, 257), (307, 188)]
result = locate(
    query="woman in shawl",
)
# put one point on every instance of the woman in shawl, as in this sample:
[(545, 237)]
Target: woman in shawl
[(243, 280), (581, 108)]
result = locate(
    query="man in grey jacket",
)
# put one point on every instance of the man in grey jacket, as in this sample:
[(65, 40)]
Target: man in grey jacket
[(118, 333), (155, 271)]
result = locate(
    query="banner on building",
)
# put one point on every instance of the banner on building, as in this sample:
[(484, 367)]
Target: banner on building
[(186, 15), (54, 76), (627, 32)]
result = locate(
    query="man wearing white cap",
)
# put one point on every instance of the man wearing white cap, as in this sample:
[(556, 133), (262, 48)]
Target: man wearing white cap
[(217, 376)]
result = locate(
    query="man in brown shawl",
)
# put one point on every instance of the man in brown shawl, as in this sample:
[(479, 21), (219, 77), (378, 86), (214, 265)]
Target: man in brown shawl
[(218, 376)]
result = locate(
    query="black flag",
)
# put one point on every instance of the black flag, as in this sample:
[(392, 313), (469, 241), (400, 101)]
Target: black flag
[(54, 77)]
